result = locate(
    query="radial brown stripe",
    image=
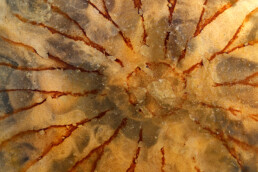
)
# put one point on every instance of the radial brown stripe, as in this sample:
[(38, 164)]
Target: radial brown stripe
[(70, 66), (221, 137), (199, 24), (53, 94), (171, 8), (54, 31), (22, 109), (109, 18), (209, 20), (145, 35), (183, 53), (245, 81), (23, 68), (230, 109), (13, 138), (138, 5), (50, 56), (90, 42), (253, 117), (250, 43), (193, 67), (197, 31), (243, 144), (166, 44), (70, 130), (102, 146), (28, 47), (35, 69), (235, 36), (163, 161), (100, 115), (135, 158)]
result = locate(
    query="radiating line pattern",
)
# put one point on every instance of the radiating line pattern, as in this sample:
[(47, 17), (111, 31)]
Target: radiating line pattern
[(119, 85)]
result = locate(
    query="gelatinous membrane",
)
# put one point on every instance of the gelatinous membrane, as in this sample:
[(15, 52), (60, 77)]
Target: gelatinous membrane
[(128, 85)]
